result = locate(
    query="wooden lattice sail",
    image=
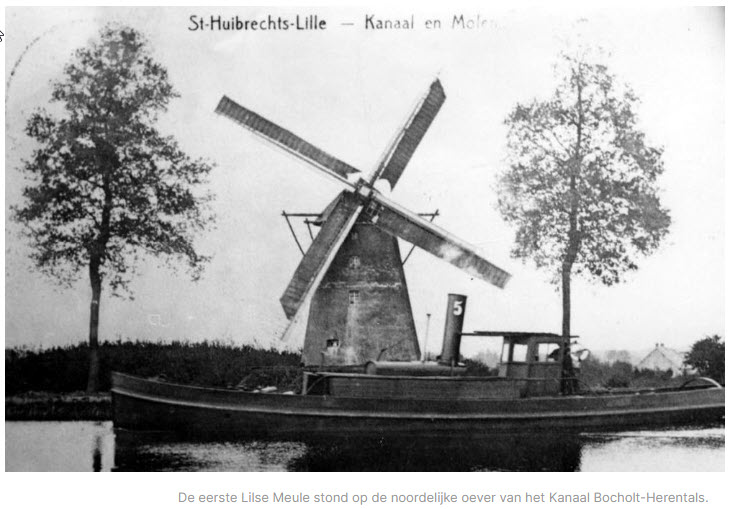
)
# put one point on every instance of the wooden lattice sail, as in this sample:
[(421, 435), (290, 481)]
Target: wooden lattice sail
[(351, 276)]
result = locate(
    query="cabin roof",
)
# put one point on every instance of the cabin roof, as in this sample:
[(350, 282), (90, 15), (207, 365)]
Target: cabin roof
[(512, 334)]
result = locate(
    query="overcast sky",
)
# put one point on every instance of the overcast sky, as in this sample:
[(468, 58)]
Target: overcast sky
[(348, 90)]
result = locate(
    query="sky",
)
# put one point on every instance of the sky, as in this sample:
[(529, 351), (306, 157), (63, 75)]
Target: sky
[(348, 90)]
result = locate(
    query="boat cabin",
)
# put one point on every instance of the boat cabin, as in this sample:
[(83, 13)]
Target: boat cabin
[(540, 359), (532, 364)]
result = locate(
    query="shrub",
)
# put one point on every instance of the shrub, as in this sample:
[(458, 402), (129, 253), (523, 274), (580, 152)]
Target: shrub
[(707, 357)]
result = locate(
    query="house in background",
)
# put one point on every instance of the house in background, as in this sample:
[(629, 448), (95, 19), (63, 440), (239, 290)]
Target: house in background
[(663, 358)]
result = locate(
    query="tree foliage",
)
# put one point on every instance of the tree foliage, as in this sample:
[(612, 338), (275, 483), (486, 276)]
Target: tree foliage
[(105, 183), (105, 186), (707, 357), (581, 187)]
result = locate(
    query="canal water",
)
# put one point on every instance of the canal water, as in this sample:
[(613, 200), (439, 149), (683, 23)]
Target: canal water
[(96, 446)]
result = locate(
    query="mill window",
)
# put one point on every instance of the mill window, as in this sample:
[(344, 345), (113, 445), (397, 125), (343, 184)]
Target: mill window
[(352, 297)]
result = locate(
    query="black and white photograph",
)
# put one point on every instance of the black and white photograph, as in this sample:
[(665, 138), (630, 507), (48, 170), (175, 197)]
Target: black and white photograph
[(352, 239)]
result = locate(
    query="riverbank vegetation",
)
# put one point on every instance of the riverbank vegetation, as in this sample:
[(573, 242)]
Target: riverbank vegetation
[(707, 357), (52, 406), (595, 374), (219, 364), (209, 363)]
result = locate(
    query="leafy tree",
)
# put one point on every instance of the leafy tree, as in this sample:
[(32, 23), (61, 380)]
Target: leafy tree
[(707, 357), (105, 186), (581, 186)]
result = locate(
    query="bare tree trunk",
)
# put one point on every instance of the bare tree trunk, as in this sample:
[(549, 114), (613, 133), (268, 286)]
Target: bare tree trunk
[(567, 382), (96, 286)]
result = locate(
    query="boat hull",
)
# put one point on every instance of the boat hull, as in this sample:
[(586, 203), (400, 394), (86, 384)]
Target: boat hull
[(147, 405)]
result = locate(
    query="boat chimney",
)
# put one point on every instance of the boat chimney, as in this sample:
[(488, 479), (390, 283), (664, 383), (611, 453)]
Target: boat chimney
[(453, 329)]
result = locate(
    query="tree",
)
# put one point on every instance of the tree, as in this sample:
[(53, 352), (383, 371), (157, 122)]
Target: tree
[(581, 185), (707, 357), (105, 186)]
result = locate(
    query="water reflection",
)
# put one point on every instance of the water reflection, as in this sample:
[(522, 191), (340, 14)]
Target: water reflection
[(145, 452), (55, 446), (675, 450), (507, 452), (89, 446), (559, 453), (97, 454)]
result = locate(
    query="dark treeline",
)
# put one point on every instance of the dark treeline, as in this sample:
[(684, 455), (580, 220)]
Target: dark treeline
[(217, 364), (66, 369)]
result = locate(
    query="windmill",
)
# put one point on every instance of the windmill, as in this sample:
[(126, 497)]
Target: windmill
[(352, 273)]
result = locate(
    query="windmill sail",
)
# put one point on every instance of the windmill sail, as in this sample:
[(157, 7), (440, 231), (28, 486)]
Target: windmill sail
[(284, 139), (406, 225), (412, 134), (321, 252), (341, 215)]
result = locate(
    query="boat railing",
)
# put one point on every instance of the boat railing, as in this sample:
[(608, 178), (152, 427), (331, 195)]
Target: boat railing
[(689, 385), (708, 382)]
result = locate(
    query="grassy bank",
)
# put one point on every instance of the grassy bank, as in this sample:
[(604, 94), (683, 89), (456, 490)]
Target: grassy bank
[(46, 406), (215, 364)]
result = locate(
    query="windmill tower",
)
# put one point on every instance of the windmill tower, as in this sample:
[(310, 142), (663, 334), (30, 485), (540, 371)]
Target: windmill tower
[(352, 276)]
